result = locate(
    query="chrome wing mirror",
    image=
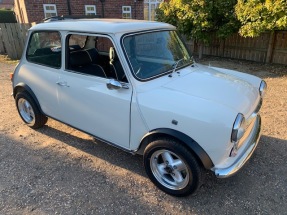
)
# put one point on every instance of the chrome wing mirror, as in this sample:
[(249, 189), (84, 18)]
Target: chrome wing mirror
[(115, 85)]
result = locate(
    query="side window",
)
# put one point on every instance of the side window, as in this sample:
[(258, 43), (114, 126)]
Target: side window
[(45, 48), (96, 57)]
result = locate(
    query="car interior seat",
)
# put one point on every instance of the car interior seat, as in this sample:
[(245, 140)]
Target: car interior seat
[(116, 67)]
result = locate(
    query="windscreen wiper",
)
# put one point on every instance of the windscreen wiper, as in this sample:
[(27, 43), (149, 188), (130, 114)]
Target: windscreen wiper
[(175, 66)]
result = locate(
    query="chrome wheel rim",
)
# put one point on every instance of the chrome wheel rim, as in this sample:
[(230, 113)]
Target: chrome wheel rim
[(169, 169), (26, 111)]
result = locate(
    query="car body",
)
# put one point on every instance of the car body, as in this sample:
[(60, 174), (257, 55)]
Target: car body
[(133, 84)]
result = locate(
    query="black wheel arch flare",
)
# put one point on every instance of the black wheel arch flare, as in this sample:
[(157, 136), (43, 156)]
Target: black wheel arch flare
[(24, 87), (185, 139)]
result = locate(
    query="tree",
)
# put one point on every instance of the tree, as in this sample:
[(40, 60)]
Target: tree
[(199, 18), (257, 16)]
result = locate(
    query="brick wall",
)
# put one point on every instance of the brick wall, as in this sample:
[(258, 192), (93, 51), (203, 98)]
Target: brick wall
[(6, 4), (35, 9), (112, 8)]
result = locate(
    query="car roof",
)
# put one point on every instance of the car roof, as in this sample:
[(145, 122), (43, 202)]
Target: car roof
[(102, 25)]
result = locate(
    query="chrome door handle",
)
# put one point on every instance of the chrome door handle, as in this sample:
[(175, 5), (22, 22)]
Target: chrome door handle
[(62, 84)]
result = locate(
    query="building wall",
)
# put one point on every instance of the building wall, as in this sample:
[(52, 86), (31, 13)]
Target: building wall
[(6, 4), (112, 8), (35, 9)]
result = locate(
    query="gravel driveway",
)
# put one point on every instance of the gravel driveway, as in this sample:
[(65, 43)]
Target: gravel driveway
[(59, 170)]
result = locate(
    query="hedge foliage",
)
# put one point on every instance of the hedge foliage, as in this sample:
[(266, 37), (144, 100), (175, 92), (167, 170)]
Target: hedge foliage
[(200, 18), (258, 16), (7, 16)]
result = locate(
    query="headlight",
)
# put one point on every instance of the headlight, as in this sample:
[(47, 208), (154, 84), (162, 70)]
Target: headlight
[(262, 88)]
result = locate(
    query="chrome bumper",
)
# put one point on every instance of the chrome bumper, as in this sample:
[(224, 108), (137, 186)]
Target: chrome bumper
[(252, 144)]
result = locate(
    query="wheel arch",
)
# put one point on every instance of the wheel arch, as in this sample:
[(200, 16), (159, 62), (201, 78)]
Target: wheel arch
[(21, 87), (183, 138)]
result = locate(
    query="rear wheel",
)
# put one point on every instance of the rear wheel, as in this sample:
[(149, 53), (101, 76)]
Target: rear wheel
[(172, 168), (29, 111)]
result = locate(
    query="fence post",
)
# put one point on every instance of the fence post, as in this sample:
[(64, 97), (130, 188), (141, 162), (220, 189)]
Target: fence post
[(193, 46), (221, 47), (200, 51), (2, 47), (270, 49)]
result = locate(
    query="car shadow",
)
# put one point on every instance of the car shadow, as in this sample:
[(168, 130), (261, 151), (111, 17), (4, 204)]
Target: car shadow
[(98, 149), (41, 181)]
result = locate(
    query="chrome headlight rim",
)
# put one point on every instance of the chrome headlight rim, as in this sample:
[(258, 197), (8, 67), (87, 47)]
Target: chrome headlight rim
[(262, 88), (238, 128)]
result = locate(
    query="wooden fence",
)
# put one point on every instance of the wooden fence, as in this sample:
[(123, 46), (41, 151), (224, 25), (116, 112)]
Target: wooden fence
[(13, 38), (267, 48)]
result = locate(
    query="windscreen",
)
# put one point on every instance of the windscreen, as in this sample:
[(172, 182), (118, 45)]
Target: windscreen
[(153, 54)]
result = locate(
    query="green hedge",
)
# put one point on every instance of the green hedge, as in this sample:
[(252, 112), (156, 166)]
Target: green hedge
[(7, 16)]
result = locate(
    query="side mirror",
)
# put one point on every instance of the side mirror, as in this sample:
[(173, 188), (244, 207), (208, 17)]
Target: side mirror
[(115, 85)]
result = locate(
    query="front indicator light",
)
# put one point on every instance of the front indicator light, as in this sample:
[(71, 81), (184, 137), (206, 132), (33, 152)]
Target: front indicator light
[(237, 133), (262, 88), (11, 76), (238, 128)]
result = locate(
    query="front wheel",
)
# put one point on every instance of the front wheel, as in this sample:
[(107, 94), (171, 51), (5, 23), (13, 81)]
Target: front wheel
[(172, 168)]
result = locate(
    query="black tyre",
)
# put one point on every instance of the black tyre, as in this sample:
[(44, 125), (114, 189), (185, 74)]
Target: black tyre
[(29, 111), (172, 168)]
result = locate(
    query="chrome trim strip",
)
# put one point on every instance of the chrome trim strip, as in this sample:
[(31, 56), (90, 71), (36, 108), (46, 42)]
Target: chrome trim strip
[(239, 163)]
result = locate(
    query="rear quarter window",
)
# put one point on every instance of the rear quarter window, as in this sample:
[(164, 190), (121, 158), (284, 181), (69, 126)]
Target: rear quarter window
[(103, 44), (77, 42), (45, 48)]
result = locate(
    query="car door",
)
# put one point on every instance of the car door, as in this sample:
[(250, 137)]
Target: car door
[(41, 69), (88, 104)]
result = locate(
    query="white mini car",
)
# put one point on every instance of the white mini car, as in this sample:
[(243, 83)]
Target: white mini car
[(133, 84)]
